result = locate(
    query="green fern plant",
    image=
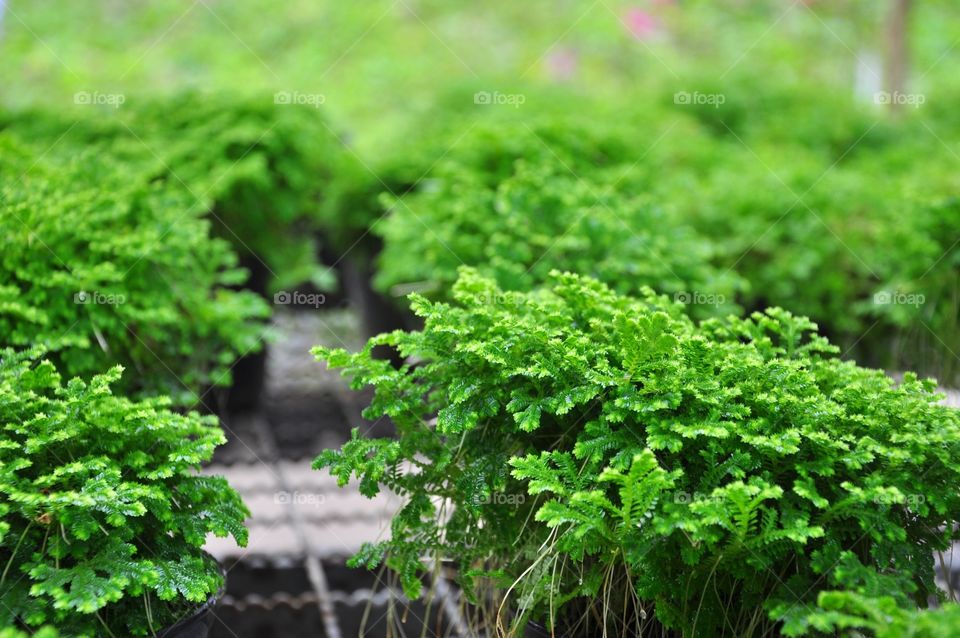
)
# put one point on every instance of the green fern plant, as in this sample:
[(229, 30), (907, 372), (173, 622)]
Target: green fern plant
[(850, 614), (663, 476), (103, 265), (521, 203), (102, 512), (44, 632), (267, 166), (260, 169)]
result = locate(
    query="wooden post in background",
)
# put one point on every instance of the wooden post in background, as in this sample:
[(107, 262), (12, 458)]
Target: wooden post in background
[(897, 62)]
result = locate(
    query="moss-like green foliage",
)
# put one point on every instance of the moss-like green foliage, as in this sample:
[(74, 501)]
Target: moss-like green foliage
[(102, 512), (519, 199), (819, 203), (806, 253), (917, 304), (266, 166), (102, 264), (460, 134), (45, 632), (854, 615), (864, 247), (260, 168), (751, 105), (608, 460)]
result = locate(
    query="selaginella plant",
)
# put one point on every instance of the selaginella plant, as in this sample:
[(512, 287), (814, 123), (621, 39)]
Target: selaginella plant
[(259, 165), (917, 305), (852, 614), (542, 216), (607, 464), (12, 632), (102, 511), (864, 247), (104, 265), (266, 162), (460, 134)]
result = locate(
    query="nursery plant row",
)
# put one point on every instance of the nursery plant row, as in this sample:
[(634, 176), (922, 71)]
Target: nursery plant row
[(605, 416), (827, 207)]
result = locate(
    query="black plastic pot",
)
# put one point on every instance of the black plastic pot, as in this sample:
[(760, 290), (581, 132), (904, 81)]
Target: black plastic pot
[(536, 630), (378, 313), (249, 378), (197, 624), (249, 371)]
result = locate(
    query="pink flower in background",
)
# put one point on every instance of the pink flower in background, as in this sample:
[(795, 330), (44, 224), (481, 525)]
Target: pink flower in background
[(562, 64), (642, 25)]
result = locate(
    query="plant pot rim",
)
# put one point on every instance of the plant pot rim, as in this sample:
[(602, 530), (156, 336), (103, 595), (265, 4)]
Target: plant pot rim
[(541, 628), (201, 610)]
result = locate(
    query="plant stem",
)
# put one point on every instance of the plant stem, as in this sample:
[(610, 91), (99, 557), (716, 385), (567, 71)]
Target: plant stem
[(6, 570)]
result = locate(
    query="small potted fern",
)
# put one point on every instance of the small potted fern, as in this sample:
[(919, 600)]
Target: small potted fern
[(13, 632), (604, 465), (102, 512), (104, 265), (851, 614), (518, 198), (539, 217)]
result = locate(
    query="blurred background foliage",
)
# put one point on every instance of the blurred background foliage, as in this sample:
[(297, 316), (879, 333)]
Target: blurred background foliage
[(812, 193), (380, 61)]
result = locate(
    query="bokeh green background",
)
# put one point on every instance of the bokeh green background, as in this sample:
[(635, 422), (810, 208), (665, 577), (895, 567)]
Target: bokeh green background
[(379, 61), (818, 196)]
